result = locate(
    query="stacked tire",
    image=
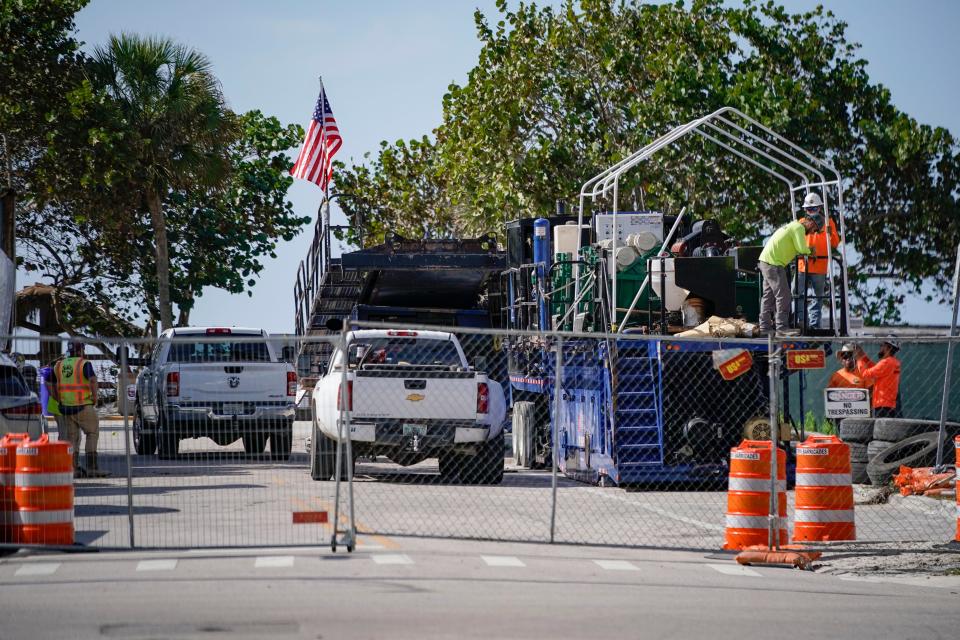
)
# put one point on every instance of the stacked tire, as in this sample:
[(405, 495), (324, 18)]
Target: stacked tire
[(879, 447)]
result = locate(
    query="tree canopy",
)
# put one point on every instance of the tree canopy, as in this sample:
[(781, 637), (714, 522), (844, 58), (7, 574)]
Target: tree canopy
[(558, 95), (111, 151)]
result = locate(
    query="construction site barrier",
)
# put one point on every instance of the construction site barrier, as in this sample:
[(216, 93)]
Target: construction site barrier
[(44, 492), (8, 467), (824, 492), (748, 495)]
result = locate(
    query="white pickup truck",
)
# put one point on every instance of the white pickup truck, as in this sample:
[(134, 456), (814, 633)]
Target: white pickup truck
[(410, 395), (220, 383)]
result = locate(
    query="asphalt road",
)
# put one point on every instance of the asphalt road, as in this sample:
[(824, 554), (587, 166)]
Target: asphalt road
[(218, 496), (456, 589)]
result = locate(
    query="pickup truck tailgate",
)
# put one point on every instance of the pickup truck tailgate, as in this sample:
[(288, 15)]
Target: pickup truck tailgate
[(433, 395), (242, 381)]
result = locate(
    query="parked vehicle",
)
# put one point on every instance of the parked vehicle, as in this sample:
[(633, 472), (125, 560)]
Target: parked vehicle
[(410, 395), (223, 386), (19, 406)]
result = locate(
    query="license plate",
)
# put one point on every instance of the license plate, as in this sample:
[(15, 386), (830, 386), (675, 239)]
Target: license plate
[(414, 429), (233, 409)]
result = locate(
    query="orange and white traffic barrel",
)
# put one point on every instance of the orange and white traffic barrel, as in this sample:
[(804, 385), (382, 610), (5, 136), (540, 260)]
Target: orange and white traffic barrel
[(748, 495), (8, 467), (824, 494), (44, 492), (956, 446)]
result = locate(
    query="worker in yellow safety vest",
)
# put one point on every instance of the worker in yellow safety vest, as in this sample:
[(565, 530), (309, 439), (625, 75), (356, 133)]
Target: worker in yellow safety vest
[(74, 387)]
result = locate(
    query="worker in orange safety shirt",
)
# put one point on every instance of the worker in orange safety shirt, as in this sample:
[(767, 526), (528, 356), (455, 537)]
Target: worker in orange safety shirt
[(814, 267), (884, 376), (848, 376)]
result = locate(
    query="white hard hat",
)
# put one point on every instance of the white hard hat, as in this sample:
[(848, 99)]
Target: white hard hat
[(812, 200)]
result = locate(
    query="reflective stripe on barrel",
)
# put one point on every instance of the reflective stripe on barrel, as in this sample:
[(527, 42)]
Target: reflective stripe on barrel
[(748, 495), (824, 492), (43, 490)]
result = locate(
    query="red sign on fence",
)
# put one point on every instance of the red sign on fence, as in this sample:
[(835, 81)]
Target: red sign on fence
[(806, 359), (734, 367)]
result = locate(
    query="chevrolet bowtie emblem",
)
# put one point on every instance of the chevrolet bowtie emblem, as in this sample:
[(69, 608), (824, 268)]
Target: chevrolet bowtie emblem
[(416, 397)]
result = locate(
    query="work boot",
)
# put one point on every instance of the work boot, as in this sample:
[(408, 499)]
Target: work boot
[(78, 471), (93, 471)]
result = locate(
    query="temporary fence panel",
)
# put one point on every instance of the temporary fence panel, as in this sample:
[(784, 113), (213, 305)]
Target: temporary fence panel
[(572, 438)]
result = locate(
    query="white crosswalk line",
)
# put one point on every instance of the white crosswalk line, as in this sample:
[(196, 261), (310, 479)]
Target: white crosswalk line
[(735, 570), (391, 558), (157, 565), (264, 562), (617, 565), (503, 561), (38, 569)]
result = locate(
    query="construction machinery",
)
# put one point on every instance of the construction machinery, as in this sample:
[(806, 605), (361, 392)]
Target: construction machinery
[(633, 403)]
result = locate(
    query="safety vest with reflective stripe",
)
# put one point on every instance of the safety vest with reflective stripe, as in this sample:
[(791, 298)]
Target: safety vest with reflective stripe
[(72, 386)]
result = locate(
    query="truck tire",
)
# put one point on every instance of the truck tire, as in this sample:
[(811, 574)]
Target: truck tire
[(876, 447), (168, 446), (323, 462), (858, 473), (856, 430), (486, 467), (145, 444), (524, 428), (254, 443), (918, 451), (858, 452), (897, 429), (281, 443)]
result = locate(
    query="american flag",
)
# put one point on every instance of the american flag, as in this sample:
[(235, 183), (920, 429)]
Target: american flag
[(321, 143)]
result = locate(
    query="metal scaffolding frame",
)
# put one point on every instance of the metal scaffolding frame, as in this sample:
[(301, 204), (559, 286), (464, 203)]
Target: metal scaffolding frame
[(749, 140)]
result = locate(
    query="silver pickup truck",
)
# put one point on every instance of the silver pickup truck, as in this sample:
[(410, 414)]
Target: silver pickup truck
[(220, 383)]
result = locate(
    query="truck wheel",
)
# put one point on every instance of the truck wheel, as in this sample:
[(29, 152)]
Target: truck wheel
[(323, 462), (144, 444), (486, 467), (254, 443), (281, 443), (168, 446), (524, 428)]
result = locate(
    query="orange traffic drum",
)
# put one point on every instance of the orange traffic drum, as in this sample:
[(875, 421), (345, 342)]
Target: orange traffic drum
[(748, 495), (8, 467), (44, 492), (824, 493)]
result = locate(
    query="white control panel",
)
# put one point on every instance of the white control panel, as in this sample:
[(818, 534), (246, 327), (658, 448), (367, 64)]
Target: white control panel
[(628, 224)]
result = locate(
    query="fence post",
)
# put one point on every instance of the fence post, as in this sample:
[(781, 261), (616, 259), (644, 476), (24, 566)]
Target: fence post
[(557, 382), (344, 449), (127, 435), (774, 514), (945, 402)]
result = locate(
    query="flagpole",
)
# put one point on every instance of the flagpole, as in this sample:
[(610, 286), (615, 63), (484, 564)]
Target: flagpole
[(325, 203)]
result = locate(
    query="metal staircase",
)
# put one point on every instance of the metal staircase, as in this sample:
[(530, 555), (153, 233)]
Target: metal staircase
[(638, 420)]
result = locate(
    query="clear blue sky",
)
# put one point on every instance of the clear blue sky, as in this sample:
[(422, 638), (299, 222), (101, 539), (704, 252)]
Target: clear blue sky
[(386, 66)]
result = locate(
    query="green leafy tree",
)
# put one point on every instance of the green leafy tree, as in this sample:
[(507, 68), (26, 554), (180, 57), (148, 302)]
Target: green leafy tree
[(558, 95), (177, 129)]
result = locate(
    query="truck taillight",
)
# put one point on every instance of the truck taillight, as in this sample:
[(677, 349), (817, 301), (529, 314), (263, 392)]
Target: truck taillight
[(349, 395), (173, 384), (405, 334), (483, 397), (291, 383)]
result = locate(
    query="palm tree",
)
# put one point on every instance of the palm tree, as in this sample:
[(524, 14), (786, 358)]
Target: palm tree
[(178, 122)]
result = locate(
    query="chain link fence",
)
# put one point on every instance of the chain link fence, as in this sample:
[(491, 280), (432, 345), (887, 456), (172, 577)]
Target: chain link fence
[(210, 439)]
